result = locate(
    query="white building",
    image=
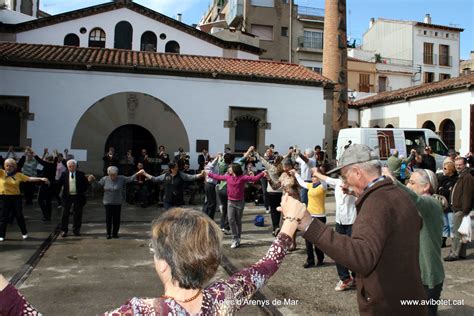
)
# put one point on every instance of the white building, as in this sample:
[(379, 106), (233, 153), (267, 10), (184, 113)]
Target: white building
[(433, 49), (88, 99), (123, 24), (446, 107)]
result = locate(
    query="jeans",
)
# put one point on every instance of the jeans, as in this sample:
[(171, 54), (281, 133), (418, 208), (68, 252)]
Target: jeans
[(235, 212), (309, 248), (448, 230), (342, 271)]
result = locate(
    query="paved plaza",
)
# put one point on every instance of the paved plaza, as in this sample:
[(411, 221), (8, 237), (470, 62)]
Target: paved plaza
[(88, 275)]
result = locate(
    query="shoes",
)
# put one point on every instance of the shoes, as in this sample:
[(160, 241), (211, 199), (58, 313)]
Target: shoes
[(64, 234), (462, 257), (451, 258), (226, 231), (2, 239), (108, 237), (77, 234), (235, 244), (24, 236), (308, 265), (115, 236), (344, 285), (267, 211), (320, 263)]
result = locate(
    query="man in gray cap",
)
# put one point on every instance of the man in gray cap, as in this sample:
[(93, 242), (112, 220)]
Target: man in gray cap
[(384, 246)]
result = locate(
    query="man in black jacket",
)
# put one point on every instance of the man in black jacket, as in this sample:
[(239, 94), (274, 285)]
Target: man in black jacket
[(74, 184), (426, 160)]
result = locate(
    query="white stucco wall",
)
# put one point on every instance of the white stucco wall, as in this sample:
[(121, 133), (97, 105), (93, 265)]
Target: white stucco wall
[(54, 34), (58, 99), (454, 48), (407, 113)]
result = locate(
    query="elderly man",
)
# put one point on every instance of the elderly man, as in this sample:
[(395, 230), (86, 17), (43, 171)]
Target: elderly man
[(461, 204), (383, 249), (74, 184), (306, 162), (420, 187)]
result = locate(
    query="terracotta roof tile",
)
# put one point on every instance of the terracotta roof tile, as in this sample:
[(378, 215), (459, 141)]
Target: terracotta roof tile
[(431, 88), (102, 59)]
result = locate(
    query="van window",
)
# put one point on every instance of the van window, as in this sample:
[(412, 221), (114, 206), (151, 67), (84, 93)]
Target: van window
[(415, 140), (438, 147)]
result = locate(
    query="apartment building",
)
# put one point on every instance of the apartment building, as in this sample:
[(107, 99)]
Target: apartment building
[(286, 32), (433, 49)]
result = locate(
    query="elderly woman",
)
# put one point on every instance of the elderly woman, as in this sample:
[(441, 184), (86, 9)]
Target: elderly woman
[(114, 186), (10, 196), (187, 252)]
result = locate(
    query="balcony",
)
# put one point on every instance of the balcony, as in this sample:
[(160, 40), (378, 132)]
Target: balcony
[(309, 11), (429, 59), (446, 60), (310, 44), (236, 12)]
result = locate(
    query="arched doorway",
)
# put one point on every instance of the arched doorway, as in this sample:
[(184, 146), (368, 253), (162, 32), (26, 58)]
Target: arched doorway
[(131, 136), (448, 133), (429, 125), (127, 115), (172, 47)]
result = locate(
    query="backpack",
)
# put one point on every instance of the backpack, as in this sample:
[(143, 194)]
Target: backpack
[(259, 221)]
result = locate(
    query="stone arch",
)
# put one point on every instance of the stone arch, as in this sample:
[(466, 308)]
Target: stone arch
[(125, 108)]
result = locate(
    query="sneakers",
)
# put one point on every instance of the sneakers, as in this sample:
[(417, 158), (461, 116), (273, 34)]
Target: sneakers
[(344, 285), (267, 211), (235, 244), (24, 236), (2, 239)]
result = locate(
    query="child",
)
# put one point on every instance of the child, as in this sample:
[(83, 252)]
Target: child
[(235, 197)]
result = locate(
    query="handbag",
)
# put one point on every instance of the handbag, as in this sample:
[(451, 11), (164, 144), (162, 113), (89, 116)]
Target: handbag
[(465, 229)]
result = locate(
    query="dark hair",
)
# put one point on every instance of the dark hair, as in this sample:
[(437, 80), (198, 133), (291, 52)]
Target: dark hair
[(228, 158), (287, 162), (190, 243), (161, 146), (317, 147), (172, 165), (237, 169)]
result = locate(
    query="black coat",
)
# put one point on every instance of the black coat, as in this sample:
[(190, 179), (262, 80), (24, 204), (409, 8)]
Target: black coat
[(81, 185)]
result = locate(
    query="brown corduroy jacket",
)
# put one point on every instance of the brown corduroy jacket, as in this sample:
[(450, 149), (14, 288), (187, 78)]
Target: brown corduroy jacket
[(383, 250)]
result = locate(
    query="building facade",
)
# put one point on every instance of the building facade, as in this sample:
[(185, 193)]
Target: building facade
[(446, 107), (433, 49)]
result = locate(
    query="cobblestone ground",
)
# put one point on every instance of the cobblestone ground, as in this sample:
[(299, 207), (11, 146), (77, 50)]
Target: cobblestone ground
[(87, 275)]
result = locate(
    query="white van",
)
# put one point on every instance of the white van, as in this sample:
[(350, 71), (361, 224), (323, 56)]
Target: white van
[(382, 140)]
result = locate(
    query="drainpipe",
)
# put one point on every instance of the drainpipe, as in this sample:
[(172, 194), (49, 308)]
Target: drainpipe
[(290, 31)]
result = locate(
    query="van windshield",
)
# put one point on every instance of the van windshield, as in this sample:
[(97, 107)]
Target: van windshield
[(438, 147)]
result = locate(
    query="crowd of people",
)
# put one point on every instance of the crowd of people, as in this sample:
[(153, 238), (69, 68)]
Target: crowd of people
[(401, 212)]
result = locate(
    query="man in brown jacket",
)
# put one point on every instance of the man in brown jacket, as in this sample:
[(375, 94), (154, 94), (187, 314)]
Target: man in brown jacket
[(461, 203), (384, 247)]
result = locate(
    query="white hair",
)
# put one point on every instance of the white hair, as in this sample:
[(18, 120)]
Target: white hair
[(372, 167), (10, 161), (112, 170), (71, 162), (428, 177), (309, 152)]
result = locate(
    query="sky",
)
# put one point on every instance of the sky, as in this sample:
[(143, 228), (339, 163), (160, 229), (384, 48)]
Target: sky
[(457, 13)]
